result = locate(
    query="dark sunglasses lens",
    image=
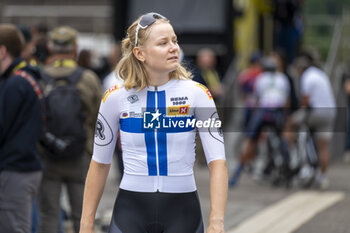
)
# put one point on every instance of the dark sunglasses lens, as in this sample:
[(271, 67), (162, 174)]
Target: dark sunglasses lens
[(158, 16), (147, 20), (150, 18)]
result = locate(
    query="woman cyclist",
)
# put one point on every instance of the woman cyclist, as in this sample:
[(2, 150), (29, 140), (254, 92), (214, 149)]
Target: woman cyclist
[(157, 111)]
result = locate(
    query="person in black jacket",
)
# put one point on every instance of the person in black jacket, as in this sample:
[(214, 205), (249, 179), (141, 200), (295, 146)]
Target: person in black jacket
[(20, 130)]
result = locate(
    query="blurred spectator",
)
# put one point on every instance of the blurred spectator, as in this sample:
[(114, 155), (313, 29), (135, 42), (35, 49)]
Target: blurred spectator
[(272, 94), (29, 46), (280, 57), (100, 65), (288, 28), (27, 51), (318, 110), (39, 30), (38, 56), (246, 81), (84, 59), (20, 130), (91, 59), (112, 78), (70, 171), (346, 86), (115, 55), (41, 51), (207, 73)]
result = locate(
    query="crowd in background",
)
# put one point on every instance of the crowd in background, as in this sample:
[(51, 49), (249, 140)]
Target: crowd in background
[(272, 89)]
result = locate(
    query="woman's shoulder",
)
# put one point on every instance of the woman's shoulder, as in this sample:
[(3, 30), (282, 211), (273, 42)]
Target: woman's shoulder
[(194, 87), (197, 86), (115, 92), (188, 83)]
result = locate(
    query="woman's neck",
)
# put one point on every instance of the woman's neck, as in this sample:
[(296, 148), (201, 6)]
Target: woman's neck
[(157, 79)]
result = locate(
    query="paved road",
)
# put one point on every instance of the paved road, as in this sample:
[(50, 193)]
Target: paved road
[(252, 204), (257, 207)]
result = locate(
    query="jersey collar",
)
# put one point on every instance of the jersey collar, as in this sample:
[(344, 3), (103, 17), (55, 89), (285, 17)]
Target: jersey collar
[(163, 87)]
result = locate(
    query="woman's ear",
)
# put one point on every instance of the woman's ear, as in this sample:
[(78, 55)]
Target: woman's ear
[(139, 54)]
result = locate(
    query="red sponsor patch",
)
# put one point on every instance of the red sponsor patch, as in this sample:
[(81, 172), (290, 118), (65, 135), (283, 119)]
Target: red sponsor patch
[(209, 94), (184, 110), (108, 92), (204, 88)]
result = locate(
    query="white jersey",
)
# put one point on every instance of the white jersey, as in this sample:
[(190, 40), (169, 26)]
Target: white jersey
[(315, 84), (157, 132), (272, 90), (110, 80)]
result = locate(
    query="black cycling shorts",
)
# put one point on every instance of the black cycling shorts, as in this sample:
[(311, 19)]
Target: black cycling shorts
[(138, 212), (262, 117)]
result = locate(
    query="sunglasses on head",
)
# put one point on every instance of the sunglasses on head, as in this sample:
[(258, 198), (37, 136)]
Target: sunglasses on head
[(146, 21)]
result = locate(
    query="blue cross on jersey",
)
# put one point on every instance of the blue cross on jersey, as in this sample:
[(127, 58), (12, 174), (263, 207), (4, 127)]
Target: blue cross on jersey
[(155, 137)]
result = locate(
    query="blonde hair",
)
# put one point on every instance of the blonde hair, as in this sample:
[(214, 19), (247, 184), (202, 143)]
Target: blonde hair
[(130, 69)]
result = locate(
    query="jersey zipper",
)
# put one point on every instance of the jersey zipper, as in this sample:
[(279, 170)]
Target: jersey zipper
[(156, 139)]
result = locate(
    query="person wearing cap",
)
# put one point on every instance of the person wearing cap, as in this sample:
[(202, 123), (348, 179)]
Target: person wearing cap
[(20, 130), (62, 63)]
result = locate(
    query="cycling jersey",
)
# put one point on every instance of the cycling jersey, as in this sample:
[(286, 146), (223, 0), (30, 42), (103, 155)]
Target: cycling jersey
[(272, 90), (157, 131), (315, 84)]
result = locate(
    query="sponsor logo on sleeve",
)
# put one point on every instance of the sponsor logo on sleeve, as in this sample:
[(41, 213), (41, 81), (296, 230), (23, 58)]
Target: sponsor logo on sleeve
[(103, 133), (204, 88), (216, 132), (108, 92)]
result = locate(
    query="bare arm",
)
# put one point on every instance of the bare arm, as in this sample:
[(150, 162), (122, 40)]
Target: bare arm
[(94, 186), (218, 195)]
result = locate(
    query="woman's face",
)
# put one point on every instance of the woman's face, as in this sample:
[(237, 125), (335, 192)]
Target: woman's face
[(161, 51)]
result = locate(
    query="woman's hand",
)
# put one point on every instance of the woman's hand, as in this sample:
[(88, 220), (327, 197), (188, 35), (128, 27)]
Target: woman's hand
[(216, 226)]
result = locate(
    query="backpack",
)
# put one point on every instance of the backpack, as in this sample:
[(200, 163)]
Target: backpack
[(64, 135)]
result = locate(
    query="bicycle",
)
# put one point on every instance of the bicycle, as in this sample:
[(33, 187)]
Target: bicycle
[(277, 165), (308, 157)]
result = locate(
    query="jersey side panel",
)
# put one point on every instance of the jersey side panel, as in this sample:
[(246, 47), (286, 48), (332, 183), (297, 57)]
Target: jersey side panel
[(107, 126), (211, 137)]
